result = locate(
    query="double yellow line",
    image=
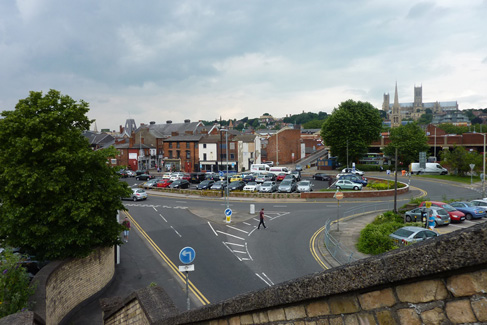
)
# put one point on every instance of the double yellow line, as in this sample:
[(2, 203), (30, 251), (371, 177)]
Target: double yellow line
[(171, 265), (313, 250)]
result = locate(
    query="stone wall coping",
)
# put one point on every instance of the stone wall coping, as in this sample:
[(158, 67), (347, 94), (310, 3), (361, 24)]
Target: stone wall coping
[(445, 255)]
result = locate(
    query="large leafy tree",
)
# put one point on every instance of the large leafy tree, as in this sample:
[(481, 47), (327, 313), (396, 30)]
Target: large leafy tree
[(409, 140), (459, 160), (350, 129), (60, 198)]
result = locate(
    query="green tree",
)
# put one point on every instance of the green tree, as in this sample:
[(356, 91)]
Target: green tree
[(453, 129), (409, 140), (60, 198), (460, 159), (313, 124), (15, 288), (425, 119), (350, 129)]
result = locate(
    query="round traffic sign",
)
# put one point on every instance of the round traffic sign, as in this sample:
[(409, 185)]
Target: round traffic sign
[(339, 195), (187, 255), (228, 212)]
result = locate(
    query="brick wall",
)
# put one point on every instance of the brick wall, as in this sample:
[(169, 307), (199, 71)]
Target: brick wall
[(289, 142), (439, 281), (64, 285), (130, 313)]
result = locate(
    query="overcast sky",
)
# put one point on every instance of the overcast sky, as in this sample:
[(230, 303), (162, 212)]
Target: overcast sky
[(156, 60)]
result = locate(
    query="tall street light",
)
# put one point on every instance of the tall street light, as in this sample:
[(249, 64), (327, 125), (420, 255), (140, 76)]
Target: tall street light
[(226, 154), (483, 170)]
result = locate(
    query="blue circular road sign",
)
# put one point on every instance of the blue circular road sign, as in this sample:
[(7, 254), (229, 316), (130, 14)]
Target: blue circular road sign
[(228, 212), (187, 255)]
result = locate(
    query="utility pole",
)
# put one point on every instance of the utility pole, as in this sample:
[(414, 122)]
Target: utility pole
[(395, 184)]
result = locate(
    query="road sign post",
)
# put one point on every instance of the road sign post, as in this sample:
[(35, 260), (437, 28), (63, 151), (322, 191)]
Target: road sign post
[(186, 256), (228, 215), (338, 195)]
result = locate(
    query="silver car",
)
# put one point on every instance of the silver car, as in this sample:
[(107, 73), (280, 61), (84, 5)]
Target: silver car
[(268, 187), (304, 186), (441, 215), (287, 185), (137, 195), (410, 235)]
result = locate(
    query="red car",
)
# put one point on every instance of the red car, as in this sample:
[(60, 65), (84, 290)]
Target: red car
[(186, 177), (164, 183), (455, 215), (280, 176)]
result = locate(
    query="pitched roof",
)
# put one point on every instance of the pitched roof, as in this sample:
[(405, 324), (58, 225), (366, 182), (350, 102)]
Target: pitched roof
[(166, 130)]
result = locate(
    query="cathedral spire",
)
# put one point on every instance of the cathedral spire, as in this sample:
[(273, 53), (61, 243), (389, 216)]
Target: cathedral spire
[(396, 96)]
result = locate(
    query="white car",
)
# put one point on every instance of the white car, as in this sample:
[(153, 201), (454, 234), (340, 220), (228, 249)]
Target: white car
[(137, 194), (131, 173), (252, 187), (176, 176), (166, 176), (353, 171)]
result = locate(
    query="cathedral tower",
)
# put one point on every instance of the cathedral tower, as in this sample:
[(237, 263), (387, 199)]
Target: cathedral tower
[(396, 111)]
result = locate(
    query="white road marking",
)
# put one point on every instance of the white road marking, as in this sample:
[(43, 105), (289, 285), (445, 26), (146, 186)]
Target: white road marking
[(255, 228), (209, 224), (239, 245), (153, 207), (247, 249), (239, 252), (163, 217), (263, 280), (237, 229), (279, 206), (246, 223), (224, 233), (180, 201), (267, 278), (231, 251), (176, 231)]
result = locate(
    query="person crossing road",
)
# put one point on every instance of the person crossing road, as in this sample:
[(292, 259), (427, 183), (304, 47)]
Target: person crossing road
[(261, 216)]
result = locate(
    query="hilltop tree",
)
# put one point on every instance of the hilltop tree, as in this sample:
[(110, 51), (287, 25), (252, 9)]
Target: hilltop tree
[(409, 140), (350, 129), (60, 198)]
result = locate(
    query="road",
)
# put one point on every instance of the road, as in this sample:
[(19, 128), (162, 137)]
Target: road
[(235, 258)]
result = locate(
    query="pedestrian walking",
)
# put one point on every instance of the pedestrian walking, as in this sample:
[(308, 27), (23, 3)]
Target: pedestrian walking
[(261, 216), (126, 224)]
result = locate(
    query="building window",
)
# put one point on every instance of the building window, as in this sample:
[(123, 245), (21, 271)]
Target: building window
[(204, 145), (223, 145), (187, 144), (232, 145), (179, 154), (178, 145), (170, 153), (232, 156), (188, 154), (224, 156), (196, 145), (114, 161), (170, 144), (204, 156)]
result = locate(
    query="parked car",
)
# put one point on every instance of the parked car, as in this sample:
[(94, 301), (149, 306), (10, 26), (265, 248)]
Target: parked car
[(322, 177), (441, 215), (212, 176), (177, 175), (197, 177), (219, 185), (410, 235), (137, 195), (354, 178), (281, 176), (455, 215), (269, 163), (480, 203), (268, 187), (260, 178), (236, 177), (252, 187), (131, 173), (304, 186), (122, 173), (180, 183), (469, 209), (353, 171), (248, 178), (206, 184), (141, 171), (296, 174), (187, 177), (269, 177), (287, 185), (298, 167), (167, 176), (151, 183), (143, 177), (236, 185), (163, 183), (345, 184)]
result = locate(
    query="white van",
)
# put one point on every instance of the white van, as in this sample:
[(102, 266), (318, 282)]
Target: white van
[(279, 170), (259, 168), (431, 168)]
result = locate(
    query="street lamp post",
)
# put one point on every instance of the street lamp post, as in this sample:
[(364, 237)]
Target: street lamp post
[(483, 170), (226, 154)]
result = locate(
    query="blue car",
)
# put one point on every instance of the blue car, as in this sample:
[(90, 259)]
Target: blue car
[(469, 209)]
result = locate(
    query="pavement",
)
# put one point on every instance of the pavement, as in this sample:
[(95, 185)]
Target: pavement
[(139, 267)]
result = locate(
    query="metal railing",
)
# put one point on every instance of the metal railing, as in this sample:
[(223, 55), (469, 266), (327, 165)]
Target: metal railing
[(337, 250)]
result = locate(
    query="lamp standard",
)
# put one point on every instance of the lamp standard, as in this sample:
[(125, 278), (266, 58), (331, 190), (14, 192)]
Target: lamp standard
[(226, 154), (483, 170)]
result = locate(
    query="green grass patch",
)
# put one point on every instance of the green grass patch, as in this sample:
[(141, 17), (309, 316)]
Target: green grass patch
[(452, 178)]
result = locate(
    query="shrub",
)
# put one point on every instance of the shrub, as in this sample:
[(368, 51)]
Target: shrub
[(14, 284), (374, 238)]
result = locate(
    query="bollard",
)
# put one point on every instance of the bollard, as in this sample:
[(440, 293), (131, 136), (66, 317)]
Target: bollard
[(252, 209)]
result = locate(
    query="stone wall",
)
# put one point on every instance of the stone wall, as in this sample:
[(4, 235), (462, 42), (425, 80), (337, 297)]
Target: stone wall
[(439, 281), (64, 285)]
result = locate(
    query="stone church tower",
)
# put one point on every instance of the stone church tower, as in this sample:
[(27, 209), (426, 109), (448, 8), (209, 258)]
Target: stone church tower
[(396, 111)]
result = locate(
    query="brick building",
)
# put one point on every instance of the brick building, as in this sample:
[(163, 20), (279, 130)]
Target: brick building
[(285, 147)]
